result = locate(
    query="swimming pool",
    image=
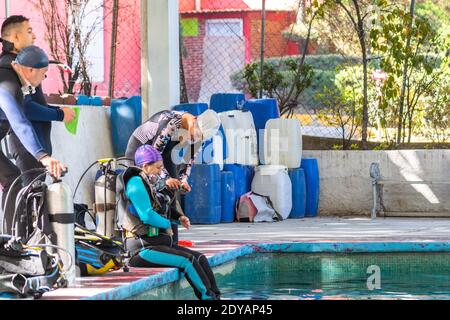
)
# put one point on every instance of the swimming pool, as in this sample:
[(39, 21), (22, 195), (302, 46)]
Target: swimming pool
[(300, 276), (312, 270)]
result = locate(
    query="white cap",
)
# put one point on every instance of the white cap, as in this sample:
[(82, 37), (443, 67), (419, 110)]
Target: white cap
[(209, 124)]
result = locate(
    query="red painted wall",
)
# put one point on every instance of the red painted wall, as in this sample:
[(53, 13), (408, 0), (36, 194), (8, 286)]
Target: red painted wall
[(128, 59)]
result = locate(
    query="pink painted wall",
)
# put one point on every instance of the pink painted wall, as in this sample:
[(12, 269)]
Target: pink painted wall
[(128, 57)]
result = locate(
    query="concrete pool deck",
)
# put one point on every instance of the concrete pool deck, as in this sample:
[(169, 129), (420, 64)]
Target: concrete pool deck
[(218, 239)]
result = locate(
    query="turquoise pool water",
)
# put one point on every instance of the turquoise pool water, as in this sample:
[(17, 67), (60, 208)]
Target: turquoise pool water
[(298, 276)]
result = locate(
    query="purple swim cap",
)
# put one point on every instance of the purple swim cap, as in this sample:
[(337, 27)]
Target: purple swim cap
[(146, 154)]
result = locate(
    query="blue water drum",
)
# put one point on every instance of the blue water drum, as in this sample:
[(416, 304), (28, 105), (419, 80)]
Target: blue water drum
[(126, 116), (243, 176), (298, 193), (195, 109), (96, 101), (312, 180), (203, 205), (221, 102), (83, 101), (262, 110), (228, 197)]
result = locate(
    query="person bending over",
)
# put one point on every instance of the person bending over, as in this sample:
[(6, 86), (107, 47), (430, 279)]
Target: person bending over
[(170, 132)]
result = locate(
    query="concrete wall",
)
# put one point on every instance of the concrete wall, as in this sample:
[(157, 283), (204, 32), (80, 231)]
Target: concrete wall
[(92, 142), (346, 185)]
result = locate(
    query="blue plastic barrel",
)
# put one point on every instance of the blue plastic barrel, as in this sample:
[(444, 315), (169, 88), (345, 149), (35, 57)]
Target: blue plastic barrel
[(243, 176), (262, 110), (298, 193), (96, 101), (195, 109), (125, 118), (228, 197), (83, 100), (312, 180), (203, 205), (221, 102)]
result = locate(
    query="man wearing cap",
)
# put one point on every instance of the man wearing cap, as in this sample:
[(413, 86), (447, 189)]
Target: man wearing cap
[(17, 34), (30, 65), (170, 132)]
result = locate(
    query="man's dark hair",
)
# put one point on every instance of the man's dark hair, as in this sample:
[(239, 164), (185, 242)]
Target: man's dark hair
[(10, 22)]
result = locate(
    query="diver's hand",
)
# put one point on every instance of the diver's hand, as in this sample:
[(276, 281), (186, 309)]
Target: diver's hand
[(55, 167), (169, 232), (186, 188), (173, 184), (185, 222)]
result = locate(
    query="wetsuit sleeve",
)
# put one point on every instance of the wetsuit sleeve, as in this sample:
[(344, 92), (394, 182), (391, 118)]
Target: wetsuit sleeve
[(21, 125), (137, 193), (186, 169), (166, 135), (37, 112)]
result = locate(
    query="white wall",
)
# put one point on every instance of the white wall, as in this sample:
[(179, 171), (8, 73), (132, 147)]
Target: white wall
[(92, 142), (346, 186)]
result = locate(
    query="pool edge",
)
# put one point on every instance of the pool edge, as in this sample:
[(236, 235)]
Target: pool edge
[(138, 287)]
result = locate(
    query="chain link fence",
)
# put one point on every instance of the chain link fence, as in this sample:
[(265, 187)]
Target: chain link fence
[(219, 38)]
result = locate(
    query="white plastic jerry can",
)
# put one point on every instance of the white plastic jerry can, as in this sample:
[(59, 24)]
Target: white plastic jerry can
[(283, 143), (240, 137), (273, 181)]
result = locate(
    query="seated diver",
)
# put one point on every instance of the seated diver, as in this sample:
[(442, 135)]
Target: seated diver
[(148, 229)]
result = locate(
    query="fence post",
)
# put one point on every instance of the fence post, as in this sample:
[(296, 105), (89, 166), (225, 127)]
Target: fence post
[(112, 66), (263, 31)]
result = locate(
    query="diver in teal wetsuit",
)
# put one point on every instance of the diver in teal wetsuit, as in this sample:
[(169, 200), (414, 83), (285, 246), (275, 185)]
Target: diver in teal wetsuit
[(149, 232)]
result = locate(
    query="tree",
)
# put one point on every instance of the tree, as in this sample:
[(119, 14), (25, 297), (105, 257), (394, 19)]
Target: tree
[(411, 55), (68, 37)]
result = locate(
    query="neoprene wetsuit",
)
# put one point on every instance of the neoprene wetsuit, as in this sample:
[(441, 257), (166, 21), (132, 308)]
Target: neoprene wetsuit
[(160, 250)]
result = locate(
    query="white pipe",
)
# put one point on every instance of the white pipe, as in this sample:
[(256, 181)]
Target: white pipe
[(7, 8)]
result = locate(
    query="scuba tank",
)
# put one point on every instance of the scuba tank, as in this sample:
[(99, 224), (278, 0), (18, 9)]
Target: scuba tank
[(62, 220), (105, 198)]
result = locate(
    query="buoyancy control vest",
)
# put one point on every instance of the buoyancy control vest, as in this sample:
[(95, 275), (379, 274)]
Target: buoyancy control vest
[(127, 220)]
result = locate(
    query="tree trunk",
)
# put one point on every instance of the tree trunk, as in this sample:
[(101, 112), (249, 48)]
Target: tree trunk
[(405, 69)]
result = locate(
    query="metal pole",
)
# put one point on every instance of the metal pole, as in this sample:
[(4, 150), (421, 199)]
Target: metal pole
[(113, 49), (263, 31), (7, 8)]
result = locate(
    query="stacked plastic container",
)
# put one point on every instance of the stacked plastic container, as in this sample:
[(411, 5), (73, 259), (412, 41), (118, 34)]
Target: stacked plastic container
[(222, 102), (203, 205), (89, 101), (126, 116), (281, 177), (273, 181), (240, 137)]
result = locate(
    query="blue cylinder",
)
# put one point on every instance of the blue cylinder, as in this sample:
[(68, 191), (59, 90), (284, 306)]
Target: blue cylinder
[(203, 205), (312, 180), (125, 118), (298, 193), (195, 109), (228, 197), (83, 101), (96, 101), (243, 176), (262, 110), (221, 102)]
